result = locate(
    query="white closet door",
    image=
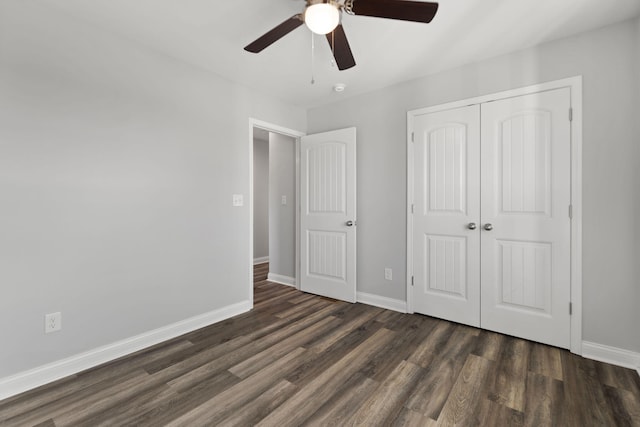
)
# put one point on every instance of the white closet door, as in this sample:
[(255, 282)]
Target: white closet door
[(446, 246), (328, 217), (526, 167)]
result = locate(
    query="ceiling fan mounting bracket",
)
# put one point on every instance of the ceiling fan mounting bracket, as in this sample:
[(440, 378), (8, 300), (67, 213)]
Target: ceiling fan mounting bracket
[(348, 7), (334, 3)]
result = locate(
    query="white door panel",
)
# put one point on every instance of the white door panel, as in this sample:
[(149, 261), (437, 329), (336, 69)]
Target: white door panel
[(447, 199), (328, 203), (525, 197), (506, 167)]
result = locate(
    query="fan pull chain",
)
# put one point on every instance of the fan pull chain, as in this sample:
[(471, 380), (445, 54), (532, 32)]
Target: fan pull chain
[(313, 48)]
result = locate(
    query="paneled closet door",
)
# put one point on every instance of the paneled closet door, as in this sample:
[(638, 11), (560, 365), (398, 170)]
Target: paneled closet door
[(526, 230), (446, 237)]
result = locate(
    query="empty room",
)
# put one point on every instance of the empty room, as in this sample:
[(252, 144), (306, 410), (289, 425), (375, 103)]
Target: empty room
[(319, 212)]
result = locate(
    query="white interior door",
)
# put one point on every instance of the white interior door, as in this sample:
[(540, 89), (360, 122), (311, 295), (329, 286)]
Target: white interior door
[(328, 217), (446, 238), (526, 193)]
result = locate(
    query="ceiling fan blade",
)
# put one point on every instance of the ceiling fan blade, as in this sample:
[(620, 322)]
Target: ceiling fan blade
[(396, 9), (341, 49), (275, 34)]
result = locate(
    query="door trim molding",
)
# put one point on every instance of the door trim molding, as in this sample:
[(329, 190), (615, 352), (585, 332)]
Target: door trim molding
[(270, 127), (575, 86)]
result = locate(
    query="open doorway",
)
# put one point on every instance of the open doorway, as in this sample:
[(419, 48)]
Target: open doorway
[(274, 204), (274, 201)]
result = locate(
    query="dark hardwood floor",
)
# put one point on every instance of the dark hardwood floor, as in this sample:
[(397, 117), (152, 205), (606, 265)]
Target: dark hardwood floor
[(299, 359)]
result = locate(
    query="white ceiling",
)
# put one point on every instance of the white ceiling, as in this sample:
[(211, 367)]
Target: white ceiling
[(212, 33)]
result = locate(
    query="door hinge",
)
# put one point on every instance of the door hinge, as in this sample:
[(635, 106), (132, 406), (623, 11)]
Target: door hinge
[(570, 211), (570, 308), (413, 137), (570, 114), (411, 280)]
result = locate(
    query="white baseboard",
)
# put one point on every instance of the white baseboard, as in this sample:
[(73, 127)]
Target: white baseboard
[(613, 355), (283, 280), (260, 260), (383, 302), (50, 372)]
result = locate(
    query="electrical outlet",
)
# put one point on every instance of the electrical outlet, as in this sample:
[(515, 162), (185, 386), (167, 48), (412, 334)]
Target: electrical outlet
[(284, 200), (388, 274), (238, 200), (52, 322)]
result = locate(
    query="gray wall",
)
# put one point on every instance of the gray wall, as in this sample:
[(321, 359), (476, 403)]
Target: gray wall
[(260, 198), (608, 60), (282, 220), (117, 169)]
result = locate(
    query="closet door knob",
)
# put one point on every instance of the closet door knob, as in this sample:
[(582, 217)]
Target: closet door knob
[(472, 226), (488, 227), (350, 224)]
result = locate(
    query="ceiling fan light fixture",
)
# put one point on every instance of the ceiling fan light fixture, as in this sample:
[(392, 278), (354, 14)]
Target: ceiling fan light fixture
[(322, 17)]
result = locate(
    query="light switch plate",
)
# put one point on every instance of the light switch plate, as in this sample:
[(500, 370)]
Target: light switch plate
[(238, 200)]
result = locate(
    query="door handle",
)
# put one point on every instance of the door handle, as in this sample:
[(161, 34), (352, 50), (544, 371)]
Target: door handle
[(350, 223), (488, 227), (472, 226)]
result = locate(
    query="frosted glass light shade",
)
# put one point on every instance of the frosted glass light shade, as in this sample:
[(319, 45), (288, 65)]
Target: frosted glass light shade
[(322, 18)]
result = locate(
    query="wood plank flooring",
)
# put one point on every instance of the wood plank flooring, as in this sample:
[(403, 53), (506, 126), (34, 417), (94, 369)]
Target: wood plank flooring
[(300, 359)]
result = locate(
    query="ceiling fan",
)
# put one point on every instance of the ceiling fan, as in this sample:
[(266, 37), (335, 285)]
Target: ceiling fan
[(323, 17)]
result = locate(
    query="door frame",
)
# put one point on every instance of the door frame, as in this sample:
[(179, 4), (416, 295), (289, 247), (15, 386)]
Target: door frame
[(296, 135), (575, 86)]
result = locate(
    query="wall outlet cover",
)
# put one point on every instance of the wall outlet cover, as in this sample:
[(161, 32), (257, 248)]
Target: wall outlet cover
[(238, 200), (52, 322), (388, 274)]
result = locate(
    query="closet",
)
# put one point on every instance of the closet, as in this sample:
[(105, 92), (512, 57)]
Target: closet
[(490, 232)]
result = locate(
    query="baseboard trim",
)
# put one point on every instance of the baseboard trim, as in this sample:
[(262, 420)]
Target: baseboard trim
[(383, 302), (260, 260), (283, 280), (27, 380), (613, 355)]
